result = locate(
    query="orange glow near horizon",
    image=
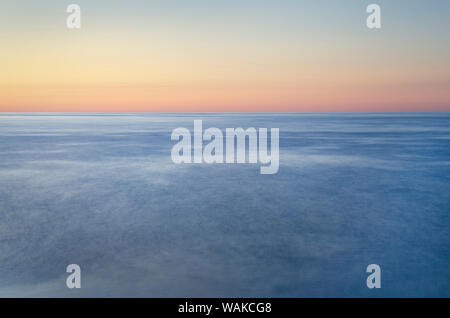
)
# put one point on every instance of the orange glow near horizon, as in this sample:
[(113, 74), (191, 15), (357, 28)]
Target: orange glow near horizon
[(199, 99)]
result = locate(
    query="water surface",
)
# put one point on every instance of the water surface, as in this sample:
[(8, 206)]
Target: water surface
[(101, 191)]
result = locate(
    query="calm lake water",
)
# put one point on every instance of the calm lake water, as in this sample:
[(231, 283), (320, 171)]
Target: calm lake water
[(101, 191)]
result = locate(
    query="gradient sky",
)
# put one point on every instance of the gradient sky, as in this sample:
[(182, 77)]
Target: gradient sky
[(247, 55)]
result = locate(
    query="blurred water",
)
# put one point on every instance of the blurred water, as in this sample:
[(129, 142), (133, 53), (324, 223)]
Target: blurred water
[(101, 191)]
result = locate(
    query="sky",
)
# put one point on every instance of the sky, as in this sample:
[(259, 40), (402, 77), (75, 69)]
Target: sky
[(214, 56)]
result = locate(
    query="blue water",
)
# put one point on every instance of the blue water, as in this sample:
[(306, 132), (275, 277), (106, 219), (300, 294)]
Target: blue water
[(101, 191)]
